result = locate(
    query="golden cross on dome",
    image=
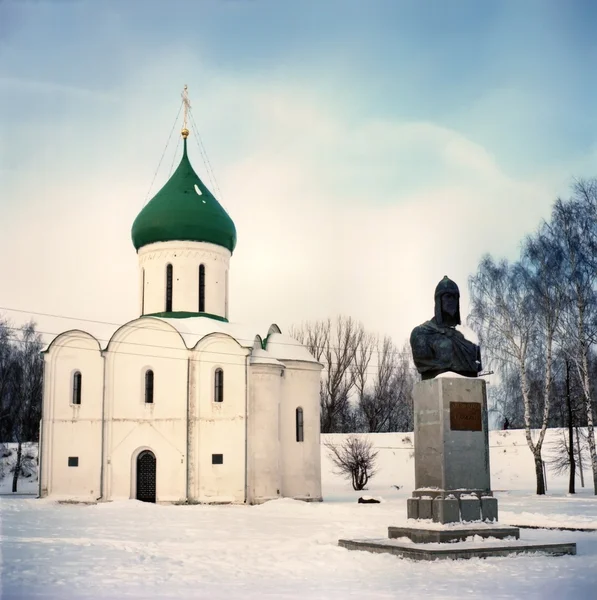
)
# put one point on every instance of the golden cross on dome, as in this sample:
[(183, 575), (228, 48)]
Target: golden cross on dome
[(187, 105)]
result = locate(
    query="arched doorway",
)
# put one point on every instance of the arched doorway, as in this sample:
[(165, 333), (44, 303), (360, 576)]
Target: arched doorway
[(146, 468)]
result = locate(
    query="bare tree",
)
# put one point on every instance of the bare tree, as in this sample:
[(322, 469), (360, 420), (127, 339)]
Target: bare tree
[(387, 404), (354, 459), (505, 314), (315, 335), (336, 348), (538, 318), (542, 271), (574, 227), (405, 377), (559, 458), (362, 361), (6, 378), (340, 357), (505, 400), (359, 392), (376, 404), (26, 379)]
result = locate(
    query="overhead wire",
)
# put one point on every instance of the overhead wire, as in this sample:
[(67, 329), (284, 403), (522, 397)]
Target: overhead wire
[(394, 353), (205, 157), (175, 155), (100, 349), (163, 154)]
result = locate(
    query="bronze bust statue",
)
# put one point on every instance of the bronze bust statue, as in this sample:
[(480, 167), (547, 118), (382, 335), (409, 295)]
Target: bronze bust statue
[(437, 345)]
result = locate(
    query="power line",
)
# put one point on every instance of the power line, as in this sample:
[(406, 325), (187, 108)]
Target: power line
[(142, 344), (118, 325), (144, 354), (163, 153), (206, 162), (372, 369), (41, 314), (174, 157)]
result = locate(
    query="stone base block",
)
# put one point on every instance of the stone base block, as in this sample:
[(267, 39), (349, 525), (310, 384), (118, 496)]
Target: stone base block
[(445, 507), (446, 510), (425, 508), (454, 551), (429, 535), (425, 492), (412, 508), (470, 508), (489, 508)]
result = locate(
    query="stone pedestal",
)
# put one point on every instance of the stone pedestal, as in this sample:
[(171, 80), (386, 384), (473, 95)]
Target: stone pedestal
[(452, 477), (452, 482)]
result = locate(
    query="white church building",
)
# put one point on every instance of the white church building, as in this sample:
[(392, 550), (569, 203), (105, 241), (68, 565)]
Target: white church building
[(180, 405)]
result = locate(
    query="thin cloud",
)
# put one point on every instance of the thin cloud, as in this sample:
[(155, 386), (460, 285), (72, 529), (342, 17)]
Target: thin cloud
[(333, 213), (21, 85)]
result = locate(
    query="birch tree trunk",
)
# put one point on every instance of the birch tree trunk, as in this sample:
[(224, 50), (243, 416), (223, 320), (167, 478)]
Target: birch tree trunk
[(586, 385), (15, 478), (580, 467), (571, 459), (535, 448)]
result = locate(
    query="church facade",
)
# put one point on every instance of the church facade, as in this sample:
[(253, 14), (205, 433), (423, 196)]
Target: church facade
[(180, 405)]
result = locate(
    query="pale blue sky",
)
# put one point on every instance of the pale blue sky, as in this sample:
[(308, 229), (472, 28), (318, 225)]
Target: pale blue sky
[(371, 115), (515, 75)]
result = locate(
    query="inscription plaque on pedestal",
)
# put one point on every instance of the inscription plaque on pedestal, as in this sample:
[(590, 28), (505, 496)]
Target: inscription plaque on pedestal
[(465, 416)]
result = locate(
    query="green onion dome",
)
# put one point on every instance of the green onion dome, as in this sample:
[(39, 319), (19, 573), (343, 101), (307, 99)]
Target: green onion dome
[(184, 210)]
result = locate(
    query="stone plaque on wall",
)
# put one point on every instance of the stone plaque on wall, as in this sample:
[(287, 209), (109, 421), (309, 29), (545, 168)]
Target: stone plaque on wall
[(465, 416)]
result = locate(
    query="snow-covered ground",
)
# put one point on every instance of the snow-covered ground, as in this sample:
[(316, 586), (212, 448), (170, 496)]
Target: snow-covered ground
[(288, 549)]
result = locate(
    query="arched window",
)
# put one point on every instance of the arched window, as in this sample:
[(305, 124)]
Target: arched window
[(169, 288), (219, 386), (77, 380), (149, 386), (201, 288), (300, 433)]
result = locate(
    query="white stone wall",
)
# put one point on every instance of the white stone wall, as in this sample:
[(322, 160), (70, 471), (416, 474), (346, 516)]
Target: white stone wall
[(253, 428), (131, 424), (264, 437), (185, 258), (300, 461), (218, 428), (70, 430)]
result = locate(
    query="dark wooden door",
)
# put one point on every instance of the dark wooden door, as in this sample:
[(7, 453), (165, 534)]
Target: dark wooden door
[(146, 467)]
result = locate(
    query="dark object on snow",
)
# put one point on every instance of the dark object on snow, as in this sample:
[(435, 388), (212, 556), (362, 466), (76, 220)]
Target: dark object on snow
[(368, 501), (437, 346)]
